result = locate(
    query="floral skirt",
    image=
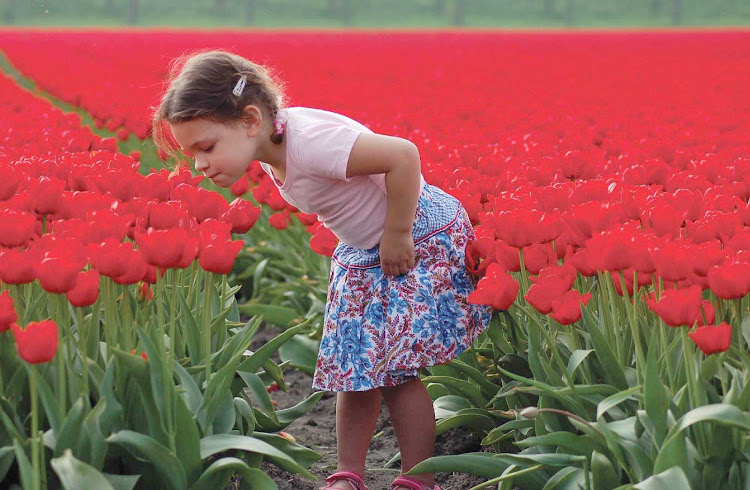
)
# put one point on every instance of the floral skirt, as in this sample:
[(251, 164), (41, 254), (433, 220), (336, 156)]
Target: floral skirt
[(381, 330)]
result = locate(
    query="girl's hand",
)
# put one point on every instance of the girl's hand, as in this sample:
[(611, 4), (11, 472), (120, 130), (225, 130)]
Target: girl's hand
[(396, 252)]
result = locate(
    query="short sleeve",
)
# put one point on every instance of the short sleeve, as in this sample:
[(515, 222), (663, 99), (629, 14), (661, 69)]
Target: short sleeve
[(324, 149)]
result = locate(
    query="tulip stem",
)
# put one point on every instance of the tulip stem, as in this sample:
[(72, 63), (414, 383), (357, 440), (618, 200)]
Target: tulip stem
[(619, 345), (206, 324), (83, 336), (61, 353), (524, 278), (640, 357), (690, 378), (171, 357), (37, 479)]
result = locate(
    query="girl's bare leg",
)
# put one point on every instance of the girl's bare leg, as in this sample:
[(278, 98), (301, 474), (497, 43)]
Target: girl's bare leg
[(356, 415), (413, 417)]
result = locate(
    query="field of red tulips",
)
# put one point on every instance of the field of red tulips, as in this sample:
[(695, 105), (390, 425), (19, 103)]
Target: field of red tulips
[(608, 178)]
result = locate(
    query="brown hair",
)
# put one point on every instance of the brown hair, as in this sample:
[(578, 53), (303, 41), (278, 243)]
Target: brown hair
[(200, 86)]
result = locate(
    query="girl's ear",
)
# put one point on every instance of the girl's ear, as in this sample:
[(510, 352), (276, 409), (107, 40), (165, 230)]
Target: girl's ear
[(253, 119)]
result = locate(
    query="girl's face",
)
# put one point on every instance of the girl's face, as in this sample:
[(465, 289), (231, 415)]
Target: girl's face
[(222, 151)]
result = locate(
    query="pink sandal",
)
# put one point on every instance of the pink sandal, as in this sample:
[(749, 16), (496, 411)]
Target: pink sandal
[(411, 484), (351, 478)]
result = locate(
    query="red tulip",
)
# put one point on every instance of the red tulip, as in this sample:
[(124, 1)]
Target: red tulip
[(242, 215), (111, 258), (86, 291), (166, 215), (280, 220), (538, 256), (135, 270), (190, 250), (567, 308), (8, 314), (497, 289), (37, 343), (212, 229), (16, 228), (324, 242), (730, 280), (9, 181), (480, 253), (674, 261), (677, 307), (542, 293), (523, 227), (218, 256), (240, 187), (57, 273), (18, 267), (162, 248), (712, 339), (145, 293), (47, 195), (142, 354)]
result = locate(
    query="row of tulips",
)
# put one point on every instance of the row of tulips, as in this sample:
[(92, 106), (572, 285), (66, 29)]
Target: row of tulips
[(608, 207), (124, 360)]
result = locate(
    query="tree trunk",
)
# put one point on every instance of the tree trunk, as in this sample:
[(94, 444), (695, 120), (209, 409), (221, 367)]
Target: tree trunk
[(676, 12), (439, 7), (549, 8), (250, 12), (346, 12), (220, 6), (458, 13), (570, 12), (10, 12), (133, 13)]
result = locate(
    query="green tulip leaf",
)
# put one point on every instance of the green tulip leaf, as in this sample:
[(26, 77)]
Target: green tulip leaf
[(603, 472), (302, 455), (77, 475), (288, 415), (211, 445), (614, 400), (460, 387), (253, 363), (613, 371), (24, 466), (280, 316), (166, 464), (187, 441), (655, 398), (672, 479), (483, 465), (568, 478), (220, 473), (302, 352), (70, 432), (576, 358)]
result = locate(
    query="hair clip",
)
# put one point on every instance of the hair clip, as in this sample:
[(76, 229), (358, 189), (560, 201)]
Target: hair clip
[(240, 86), (279, 127)]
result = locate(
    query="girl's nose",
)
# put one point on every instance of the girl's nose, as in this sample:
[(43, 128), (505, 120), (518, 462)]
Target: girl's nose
[(200, 165)]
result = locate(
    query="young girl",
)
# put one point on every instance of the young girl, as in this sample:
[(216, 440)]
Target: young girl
[(397, 298)]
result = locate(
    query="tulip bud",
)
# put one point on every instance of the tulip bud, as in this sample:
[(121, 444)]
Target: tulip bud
[(529, 412), (288, 437)]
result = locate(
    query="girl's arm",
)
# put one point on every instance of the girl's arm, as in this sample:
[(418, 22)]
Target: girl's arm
[(398, 159)]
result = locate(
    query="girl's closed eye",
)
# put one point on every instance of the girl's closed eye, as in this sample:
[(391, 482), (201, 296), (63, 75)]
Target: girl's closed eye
[(208, 148)]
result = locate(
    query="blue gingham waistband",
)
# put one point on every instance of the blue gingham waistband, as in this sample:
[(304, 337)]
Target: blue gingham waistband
[(436, 212)]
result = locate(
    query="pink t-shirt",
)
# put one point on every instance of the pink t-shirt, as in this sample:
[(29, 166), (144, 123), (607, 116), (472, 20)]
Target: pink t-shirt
[(318, 144)]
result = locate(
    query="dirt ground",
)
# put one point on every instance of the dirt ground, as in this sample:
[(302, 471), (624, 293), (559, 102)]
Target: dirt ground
[(317, 430)]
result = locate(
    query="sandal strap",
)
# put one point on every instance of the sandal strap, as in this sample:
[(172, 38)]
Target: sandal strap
[(411, 484), (352, 478)]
